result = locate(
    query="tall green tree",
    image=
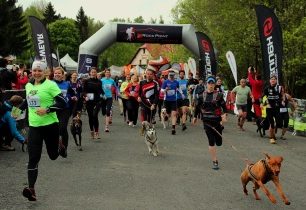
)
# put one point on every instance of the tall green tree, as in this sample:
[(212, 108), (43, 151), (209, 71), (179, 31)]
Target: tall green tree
[(13, 34), (139, 19), (82, 24), (93, 26), (50, 14), (232, 25), (65, 36)]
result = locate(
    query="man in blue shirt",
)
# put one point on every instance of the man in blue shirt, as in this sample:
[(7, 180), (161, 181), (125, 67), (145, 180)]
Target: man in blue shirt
[(170, 87)]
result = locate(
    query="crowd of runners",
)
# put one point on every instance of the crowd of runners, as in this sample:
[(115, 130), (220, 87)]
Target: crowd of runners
[(52, 99)]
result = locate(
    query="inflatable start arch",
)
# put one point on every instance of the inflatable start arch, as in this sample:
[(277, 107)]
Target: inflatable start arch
[(198, 43)]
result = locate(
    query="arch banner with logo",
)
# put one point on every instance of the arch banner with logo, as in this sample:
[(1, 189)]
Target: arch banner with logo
[(41, 41), (271, 39), (207, 63)]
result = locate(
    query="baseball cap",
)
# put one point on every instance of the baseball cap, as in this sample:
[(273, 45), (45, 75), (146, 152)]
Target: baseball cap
[(38, 64), (211, 79)]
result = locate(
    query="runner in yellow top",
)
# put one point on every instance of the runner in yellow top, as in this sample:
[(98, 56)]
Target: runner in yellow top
[(43, 98)]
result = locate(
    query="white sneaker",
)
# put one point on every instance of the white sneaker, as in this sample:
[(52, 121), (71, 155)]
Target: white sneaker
[(130, 123)]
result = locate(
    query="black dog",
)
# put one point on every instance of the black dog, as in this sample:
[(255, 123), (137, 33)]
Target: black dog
[(76, 130), (262, 126)]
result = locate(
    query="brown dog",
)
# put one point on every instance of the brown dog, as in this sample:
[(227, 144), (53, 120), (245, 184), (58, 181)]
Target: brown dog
[(260, 173)]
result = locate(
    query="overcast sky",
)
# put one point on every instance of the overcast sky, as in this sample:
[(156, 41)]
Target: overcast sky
[(105, 10)]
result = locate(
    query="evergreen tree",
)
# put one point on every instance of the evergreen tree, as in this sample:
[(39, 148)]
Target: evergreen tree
[(82, 24), (13, 34), (50, 14)]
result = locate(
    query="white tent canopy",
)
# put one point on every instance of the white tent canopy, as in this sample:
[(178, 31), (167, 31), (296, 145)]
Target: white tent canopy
[(116, 70), (69, 63)]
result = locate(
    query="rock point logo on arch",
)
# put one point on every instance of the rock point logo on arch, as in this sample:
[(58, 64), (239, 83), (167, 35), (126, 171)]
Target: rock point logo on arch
[(268, 27), (149, 34), (205, 46)]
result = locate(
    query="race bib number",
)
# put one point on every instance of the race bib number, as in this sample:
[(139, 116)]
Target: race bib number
[(283, 110), (149, 93), (183, 87), (33, 101), (90, 96), (171, 92), (64, 92), (107, 86)]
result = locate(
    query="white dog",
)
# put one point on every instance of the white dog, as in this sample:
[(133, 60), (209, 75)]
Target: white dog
[(150, 138), (164, 117)]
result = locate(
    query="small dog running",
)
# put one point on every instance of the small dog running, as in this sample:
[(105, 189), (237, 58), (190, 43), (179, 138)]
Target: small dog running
[(262, 172), (76, 130), (164, 117), (150, 138)]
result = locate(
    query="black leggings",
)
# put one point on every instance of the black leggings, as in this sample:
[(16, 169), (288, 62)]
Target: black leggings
[(283, 120), (124, 103), (107, 106), (213, 137), (93, 109), (49, 134), (6, 137), (147, 114), (63, 118), (273, 116), (133, 106)]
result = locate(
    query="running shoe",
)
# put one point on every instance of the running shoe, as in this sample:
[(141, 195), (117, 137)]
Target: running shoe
[(92, 134), (272, 141), (7, 148), (62, 151), (97, 135), (130, 123), (173, 132), (106, 130), (29, 193), (215, 165)]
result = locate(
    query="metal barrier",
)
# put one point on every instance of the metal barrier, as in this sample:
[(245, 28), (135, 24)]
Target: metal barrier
[(297, 121)]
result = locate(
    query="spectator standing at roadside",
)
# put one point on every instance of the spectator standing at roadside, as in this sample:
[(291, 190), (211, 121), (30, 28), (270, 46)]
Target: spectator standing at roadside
[(22, 78), (7, 77)]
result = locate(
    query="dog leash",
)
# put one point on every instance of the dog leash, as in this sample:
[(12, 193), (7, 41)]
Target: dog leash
[(151, 112), (242, 155)]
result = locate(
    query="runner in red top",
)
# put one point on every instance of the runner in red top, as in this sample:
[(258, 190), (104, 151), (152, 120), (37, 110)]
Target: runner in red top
[(257, 88)]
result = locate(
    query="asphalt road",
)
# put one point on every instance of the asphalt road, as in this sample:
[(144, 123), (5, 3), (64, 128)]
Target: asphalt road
[(117, 172)]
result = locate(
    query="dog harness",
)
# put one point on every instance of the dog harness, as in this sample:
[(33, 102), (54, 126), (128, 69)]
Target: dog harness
[(268, 173), (149, 140)]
